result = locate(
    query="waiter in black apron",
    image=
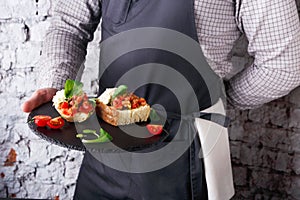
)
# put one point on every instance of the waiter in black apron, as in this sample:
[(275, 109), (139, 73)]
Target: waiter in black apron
[(137, 36)]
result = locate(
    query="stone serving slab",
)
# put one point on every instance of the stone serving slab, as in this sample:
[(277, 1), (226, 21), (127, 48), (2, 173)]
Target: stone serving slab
[(134, 137)]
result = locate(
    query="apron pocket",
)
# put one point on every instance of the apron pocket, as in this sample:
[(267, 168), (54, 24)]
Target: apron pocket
[(116, 10)]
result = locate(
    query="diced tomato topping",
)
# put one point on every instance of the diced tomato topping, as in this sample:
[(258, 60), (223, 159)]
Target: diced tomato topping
[(64, 105), (135, 101), (142, 101), (78, 104), (67, 112), (79, 99), (83, 110), (74, 111), (86, 107), (117, 103), (135, 105), (129, 101), (85, 98), (56, 123)]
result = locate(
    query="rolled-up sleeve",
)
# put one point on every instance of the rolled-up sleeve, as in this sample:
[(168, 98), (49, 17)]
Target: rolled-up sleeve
[(64, 49), (273, 30)]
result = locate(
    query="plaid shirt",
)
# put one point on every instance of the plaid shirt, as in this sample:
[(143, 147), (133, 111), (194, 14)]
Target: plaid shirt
[(271, 26)]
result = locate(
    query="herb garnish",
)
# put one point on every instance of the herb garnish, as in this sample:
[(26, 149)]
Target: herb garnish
[(73, 88)]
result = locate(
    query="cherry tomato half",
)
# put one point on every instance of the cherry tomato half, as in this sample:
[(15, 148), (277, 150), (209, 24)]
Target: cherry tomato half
[(56, 123), (154, 129), (41, 120)]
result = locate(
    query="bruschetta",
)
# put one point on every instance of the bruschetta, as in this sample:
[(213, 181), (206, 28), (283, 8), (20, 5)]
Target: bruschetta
[(118, 107), (72, 103)]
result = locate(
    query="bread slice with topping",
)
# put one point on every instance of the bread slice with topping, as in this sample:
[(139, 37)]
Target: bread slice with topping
[(72, 103), (122, 108)]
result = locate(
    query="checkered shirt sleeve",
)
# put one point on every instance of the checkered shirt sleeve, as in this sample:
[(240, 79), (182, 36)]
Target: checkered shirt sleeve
[(272, 28), (64, 48)]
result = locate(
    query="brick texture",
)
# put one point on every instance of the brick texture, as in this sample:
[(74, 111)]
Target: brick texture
[(264, 142)]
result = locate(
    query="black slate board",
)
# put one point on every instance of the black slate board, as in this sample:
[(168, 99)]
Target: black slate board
[(133, 137)]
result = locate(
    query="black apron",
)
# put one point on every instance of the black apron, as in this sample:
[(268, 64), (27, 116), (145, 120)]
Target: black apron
[(184, 177)]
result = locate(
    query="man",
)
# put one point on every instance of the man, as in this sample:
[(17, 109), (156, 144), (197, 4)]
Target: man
[(272, 29)]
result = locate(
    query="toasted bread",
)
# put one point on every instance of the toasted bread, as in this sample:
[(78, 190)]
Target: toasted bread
[(122, 117), (118, 117)]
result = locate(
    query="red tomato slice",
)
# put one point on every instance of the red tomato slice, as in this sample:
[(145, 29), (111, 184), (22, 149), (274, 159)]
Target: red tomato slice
[(154, 129), (41, 120), (56, 123)]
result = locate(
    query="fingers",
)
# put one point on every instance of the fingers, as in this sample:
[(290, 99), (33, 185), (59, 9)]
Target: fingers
[(38, 97)]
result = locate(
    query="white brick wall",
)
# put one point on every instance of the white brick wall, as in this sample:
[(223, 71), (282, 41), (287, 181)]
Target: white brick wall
[(41, 170)]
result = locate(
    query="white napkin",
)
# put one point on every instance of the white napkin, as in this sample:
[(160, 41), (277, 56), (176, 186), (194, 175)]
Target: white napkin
[(215, 148)]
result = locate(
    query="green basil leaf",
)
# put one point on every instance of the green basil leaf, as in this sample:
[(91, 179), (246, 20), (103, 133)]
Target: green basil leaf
[(104, 134), (69, 88), (77, 89), (73, 88), (122, 89), (154, 117)]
